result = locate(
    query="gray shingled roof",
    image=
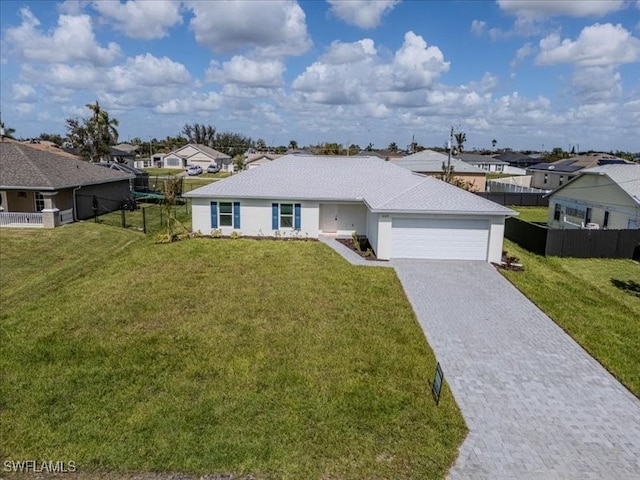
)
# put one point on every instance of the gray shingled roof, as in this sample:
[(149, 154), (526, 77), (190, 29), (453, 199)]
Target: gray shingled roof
[(23, 167), (430, 161), (383, 186)]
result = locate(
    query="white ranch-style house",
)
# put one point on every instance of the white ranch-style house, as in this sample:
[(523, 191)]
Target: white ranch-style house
[(403, 214)]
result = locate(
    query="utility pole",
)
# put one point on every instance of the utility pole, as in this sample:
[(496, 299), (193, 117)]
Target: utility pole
[(450, 145)]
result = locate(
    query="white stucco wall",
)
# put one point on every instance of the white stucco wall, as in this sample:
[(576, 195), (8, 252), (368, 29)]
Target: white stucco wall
[(496, 238), (372, 230), (385, 235), (352, 218), (255, 217)]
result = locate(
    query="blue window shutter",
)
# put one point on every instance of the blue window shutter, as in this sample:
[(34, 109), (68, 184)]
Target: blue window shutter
[(296, 216), (214, 215), (274, 216), (236, 214)]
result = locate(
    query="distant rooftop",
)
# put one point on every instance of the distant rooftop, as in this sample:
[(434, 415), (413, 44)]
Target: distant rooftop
[(430, 161)]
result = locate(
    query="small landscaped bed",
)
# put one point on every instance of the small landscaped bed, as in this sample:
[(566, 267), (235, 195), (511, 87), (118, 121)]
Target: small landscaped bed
[(596, 301), (244, 358)]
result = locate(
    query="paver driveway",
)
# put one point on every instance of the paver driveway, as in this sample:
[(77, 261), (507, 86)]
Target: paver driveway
[(536, 404)]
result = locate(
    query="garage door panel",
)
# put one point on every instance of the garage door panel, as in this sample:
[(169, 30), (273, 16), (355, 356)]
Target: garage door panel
[(440, 238)]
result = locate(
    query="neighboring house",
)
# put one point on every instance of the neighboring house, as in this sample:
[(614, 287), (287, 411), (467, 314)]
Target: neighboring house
[(430, 162), (45, 189), (485, 162), (140, 182), (402, 214), (384, 154), (549, 176), (516, 159), (196, 154), (254, 160), (605, 197), (514, 184), (121, 156)]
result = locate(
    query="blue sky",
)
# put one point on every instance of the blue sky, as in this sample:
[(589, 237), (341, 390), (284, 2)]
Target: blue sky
[(530, 74)]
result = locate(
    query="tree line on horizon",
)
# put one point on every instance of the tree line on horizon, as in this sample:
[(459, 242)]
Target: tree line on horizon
[(93, 137)]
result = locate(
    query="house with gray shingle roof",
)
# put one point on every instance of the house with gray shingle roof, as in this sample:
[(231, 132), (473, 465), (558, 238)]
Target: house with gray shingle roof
[(548, 176), (485, 162), (607, 197), (402, 214), (430, 162), (45, 188), (197, 154)]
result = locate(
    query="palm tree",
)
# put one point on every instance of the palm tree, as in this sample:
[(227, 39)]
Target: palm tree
[(293, 145), (460, 137), (494, 142), (393, 147), (104, 127)]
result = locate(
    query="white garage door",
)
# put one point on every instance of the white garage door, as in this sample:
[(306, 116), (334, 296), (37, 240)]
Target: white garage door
[(444, 239)]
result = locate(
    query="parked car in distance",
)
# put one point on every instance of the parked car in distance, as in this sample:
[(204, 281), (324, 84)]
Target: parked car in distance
[(213, 168), (194, 170)]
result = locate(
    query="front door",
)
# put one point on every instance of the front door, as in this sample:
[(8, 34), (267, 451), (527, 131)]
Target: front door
[(329, 217)]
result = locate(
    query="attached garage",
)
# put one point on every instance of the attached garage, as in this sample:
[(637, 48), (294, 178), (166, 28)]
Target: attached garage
[(444, 238)]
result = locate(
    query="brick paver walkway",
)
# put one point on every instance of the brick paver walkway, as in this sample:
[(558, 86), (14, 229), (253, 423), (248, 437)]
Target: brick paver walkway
[(536, 404)]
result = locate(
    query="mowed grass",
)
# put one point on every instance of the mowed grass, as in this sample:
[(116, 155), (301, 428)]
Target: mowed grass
[(267, 358), (531, 214), (597, 301)]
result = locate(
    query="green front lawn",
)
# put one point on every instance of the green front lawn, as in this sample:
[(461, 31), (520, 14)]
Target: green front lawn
[(596, 301), (531, 214), (271, 358), (163, 171)]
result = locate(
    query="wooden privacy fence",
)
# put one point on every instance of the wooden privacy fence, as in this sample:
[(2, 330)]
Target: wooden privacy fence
[(573, 242)]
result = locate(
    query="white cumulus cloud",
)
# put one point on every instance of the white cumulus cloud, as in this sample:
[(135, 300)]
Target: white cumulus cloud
[(244, 71), (354, 73), (478, 27), (72, 40), (596, 46), (340, 52), (23, 93), (274, 28), (362, 13), (138, 19), (570, 8), (147, 71), (196, 103)]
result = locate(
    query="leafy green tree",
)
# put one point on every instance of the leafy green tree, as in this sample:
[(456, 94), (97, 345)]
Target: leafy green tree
[(238, 162), (232, 143), (354, 148), (261, 145), (52, 137), (393, 147), (293, 145), (94, 136), (7, 132), (448, 175), (200, 133)]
